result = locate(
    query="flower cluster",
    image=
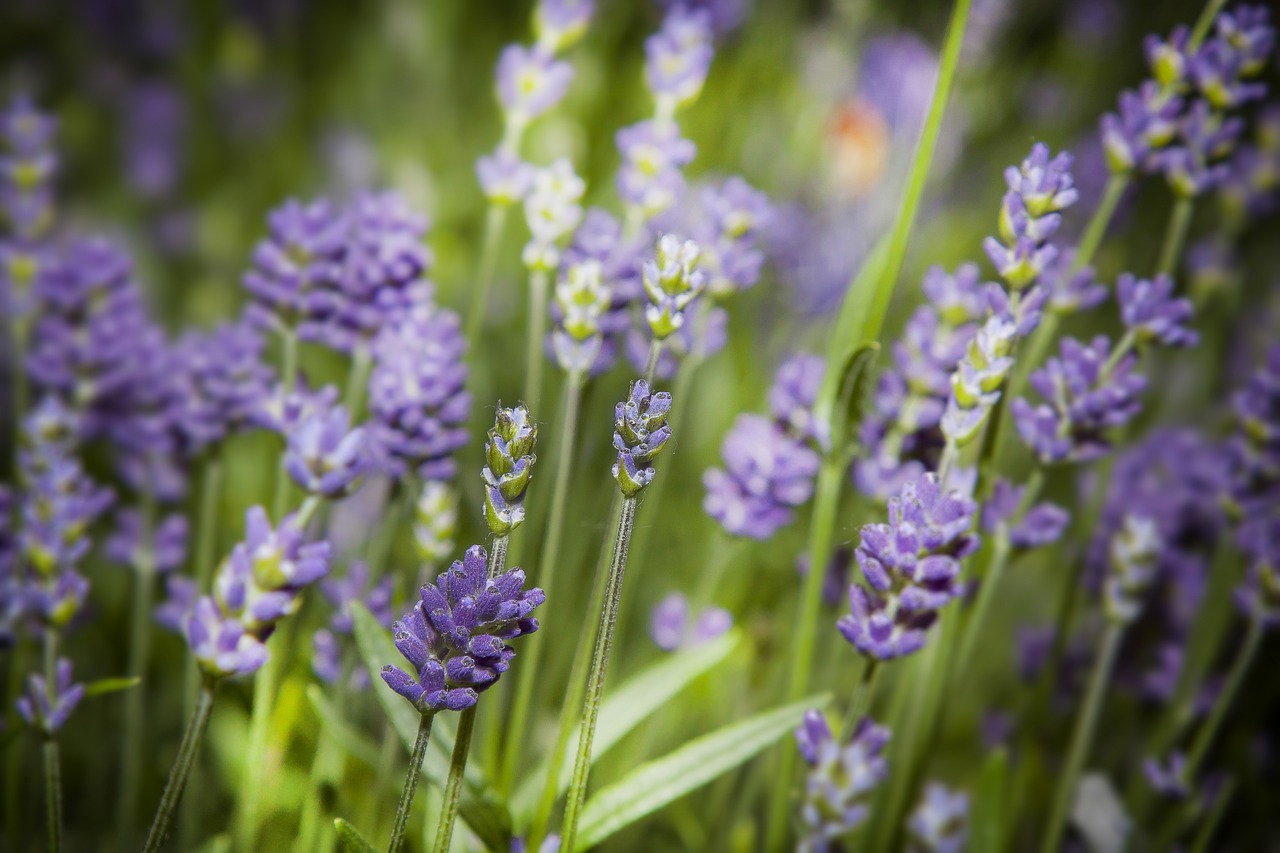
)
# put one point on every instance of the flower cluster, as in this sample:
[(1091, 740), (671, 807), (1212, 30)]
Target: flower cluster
[(1028, 526), (323, 456), (672, 281), (640, 432), (912, 568), (600, 239), (435, 521), (1253, 493), (770, 463), (841, 779), (357, 585), (456, 635), (47, 706), (1180, 122), (28, 166), (417, 395), (509, 461), (226, 382), (939, 823), (553, 210), (671, 627), (581, 300), (259, 584)]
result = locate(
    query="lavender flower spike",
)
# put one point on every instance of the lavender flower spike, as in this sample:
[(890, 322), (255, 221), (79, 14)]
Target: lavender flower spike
[(678, 57), (323, 457), (581, 300), (558, 24), (978, 378), (767, 474), (435, 521), (912, 566), (456, 636), (1151, 313), (530, 82), (672, 281), (552, 209), (1134, 555), (48, 709), (508, 467), (841, 779), (639, 434), (940, 823)]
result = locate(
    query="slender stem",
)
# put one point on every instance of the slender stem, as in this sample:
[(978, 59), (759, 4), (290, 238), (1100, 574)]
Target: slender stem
[(1175, 235), (289, 381), (498, 555), (1239, 668), (574, 694), (53, 792), (1210, 823), (860, 704), (139, 653), (651, 367), (723, 550), (538, 284), (357, 381), (206, 540), (595, 679), (1207, 16), (1082, 737), (19, 328), (453, 787), (1091, 240), (411, 782), (187, 753), (548, 562), (494, 222)]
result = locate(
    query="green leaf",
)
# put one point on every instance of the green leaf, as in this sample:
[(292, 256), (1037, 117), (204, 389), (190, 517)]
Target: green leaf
[(349, 739), (630, 704), (986, 828), (481, 806), (656, 783), (352, 840), (103, 686)]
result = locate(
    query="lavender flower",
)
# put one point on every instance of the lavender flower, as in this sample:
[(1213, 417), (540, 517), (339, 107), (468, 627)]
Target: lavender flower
[(672, 281), (180, 602), (840, 782), (1151, 314), (793, 395), (456, 636), (358, 585), (912, 566), (671, 628), (1072, 292), (581, 300), (558, 24), (1039, 189), (1169, 779), (28, 166), (47, 707), (939, 823), (1037, 526), (653, 153), (678, 57), (228, 382), (167, 547), (1087, 393), (530, 82), (256, 586), (1254, 449), (552, 209), (417, 393), (324, 457), (1258, 597), (640, 432), (1134, 552), (767, 474), (504, 177), (302, 251), (1146, 121), (435, 521), (978, 379), (509, 462)]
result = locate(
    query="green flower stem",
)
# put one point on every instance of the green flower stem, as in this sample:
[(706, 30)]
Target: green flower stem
[(860, 704), (353, 395), (411, 782), (18, 662), (602, 648), (998, 554), (723, 551), (539, 282), (1203, 23), (1082, 737), (1222, 704), (52, 764), (186, 759), (651, 367), (575, 693), (139, 653), (1175, 235), (289, 381), (19, 331), (466, 725), (1209, 825), (548, 564), (206, 539), (494, 223)]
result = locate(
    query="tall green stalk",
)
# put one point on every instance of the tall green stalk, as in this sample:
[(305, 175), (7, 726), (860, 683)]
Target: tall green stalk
[(548, 565), (1222, 704), (1175, 235), (1082, 737), (494, 222), (135, 708), (538, 284), (595, 679), (186, 759), (411, 783), (466, 724), (52, 764)]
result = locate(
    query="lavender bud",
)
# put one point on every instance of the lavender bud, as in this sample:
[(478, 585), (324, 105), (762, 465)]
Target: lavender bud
[(504, 177), (324, 457), (47, 707), (508, 467), (841, 779), (1135, 550), (1150, 312), (653, 153), (435, 521), (581, 300), (552, 209), (530, 82), (640, 432), (1169, 779), (559, 24), (672, 282), (678, 57), (671, 629)]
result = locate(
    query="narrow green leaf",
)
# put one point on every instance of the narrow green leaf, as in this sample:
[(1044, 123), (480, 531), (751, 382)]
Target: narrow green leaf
[(482, 807), (350, 740), (352, 840), (629, 705), (103, 686), (989, 804), (657, 783)]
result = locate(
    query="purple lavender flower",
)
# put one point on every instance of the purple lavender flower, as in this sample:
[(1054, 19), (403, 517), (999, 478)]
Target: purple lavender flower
[(1254, 449), (509, 462), (559, 23), (456, 636), (530, 82), (1147, 121), (28, 165), (1169, 779), (1248, 30), (1218, 70), (912, 566), (793, 395), (640, 432), (978, 380), (324, 457), (47, 707), (958, 298), (835, 580), (767, 474), (677, 58), (1258, 597), (1072, 292), (653, 153), (670, 626), (504, 177), (1150, 312), (672, 281), (357, 585), (302, 250), (417, 393), (220, 643), (229, 381), (939, 823), (181, 594), (1087, 395), (841, 777), (282, 412), (1194, 164), (1134, 555), (167, 545), (581, 300), (728, 221), (1037, 526)]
